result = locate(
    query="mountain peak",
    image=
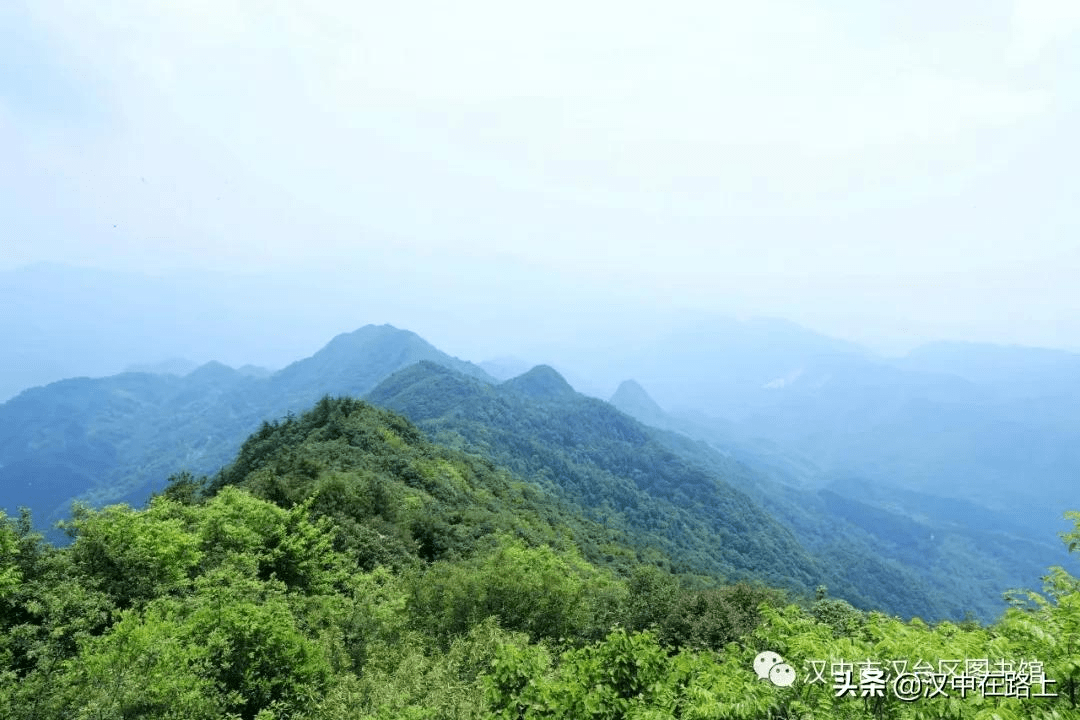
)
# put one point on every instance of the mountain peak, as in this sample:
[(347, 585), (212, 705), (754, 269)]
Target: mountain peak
[(354, 362), (543, 382), (370, 334), (428, 389), (632, 399), (213, 371)]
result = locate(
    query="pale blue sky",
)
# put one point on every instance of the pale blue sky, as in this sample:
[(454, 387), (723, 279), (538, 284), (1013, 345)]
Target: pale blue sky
[(879, 171)]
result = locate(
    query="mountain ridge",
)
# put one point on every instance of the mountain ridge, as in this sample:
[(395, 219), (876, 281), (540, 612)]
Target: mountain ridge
[(136, 429), (594, 455), (119, 438)]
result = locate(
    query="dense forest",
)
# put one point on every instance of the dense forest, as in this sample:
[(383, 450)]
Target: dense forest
[(347, 564)]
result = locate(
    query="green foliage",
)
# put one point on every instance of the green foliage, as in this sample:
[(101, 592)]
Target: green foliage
[(177, 611), (397, 499), (661, 495), (258, 655), (10, 575), (143, 667), (538, 591), (133, 556), (356, 570), (652, 595), (840, 615), (610, 679), (270, 542), (710, 619), (1049, 623), (1072, 538), (184, 488), (642, 683)]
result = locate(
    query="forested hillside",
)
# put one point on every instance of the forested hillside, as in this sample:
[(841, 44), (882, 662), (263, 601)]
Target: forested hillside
[(727, 506), (345, 566), (967, 553), (117, 439), (664, 486)]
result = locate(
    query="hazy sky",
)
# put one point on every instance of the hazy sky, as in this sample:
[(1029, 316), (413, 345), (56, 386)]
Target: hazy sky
[(873, 169)]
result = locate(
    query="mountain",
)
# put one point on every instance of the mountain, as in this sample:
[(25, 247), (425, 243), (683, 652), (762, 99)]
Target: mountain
[(542, 383), (707, 362), (120, 437), (996, 426), (595, 456), (61, 321), (353, 363), (807, 481), (641, 480), (632, 399), (922, 431), (343, 565), (967, 552)]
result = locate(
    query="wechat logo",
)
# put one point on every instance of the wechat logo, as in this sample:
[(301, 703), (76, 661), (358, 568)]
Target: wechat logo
[(770, 666)]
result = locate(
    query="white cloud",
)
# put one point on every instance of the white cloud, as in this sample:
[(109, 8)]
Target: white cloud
[(1039, 26)]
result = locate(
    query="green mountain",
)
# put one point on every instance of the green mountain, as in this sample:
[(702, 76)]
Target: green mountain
[(541, 384), (651, 484), (720, 508), (396, 496), (344, 565), (353, 363), (119, 438), (968, 554)]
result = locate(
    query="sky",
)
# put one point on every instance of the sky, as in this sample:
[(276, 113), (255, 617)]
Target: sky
[(878, 171)]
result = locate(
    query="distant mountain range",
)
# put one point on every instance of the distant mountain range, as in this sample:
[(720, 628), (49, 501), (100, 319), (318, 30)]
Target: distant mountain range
[(119, 438), (997, 426), (795, 459), (962, 549)]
